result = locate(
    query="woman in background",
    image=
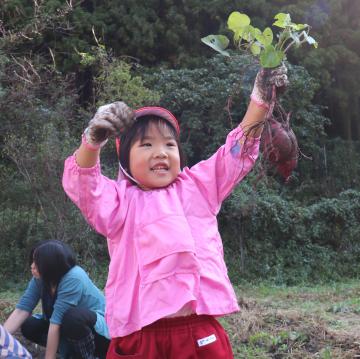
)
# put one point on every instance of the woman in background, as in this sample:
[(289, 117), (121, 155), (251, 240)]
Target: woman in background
[(72, 320)]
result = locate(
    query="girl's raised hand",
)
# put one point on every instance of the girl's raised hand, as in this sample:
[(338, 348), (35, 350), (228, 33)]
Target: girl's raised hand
[(265, 80), (111, 119)]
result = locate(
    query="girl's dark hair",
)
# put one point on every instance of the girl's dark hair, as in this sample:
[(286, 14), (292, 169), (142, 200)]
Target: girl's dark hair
[(53, 260), (138, 131)]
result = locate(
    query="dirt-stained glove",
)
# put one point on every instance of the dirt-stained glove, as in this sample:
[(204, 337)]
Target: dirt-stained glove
[(264, 82), (111, 119)]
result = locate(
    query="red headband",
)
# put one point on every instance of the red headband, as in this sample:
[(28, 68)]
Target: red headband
[(154, 111)]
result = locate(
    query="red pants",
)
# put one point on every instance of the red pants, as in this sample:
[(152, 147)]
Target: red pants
[(190, 337)]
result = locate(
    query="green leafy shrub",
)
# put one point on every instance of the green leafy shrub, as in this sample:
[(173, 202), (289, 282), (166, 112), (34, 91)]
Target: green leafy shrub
[(39, 107), (115, 81), (288, 242)]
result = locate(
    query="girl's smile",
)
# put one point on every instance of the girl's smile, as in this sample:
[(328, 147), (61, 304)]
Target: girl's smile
[(160, 167), (155, 159)]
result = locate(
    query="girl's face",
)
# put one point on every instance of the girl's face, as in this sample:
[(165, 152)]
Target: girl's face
[(155, 160), (34, 270)]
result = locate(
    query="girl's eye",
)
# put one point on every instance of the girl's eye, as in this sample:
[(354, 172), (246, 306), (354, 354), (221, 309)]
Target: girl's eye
[(171, 144), (146, 144)]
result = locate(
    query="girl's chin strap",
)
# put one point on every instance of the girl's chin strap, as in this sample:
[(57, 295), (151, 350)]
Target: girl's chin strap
[(128, 176)]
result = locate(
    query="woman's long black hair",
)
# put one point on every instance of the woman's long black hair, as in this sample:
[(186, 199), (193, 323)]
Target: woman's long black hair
[(53, 260)]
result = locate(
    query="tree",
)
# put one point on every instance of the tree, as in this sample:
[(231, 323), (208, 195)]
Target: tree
[(336, 64), (168, 32)]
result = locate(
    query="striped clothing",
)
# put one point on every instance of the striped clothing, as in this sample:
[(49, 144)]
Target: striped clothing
[(10, 347)]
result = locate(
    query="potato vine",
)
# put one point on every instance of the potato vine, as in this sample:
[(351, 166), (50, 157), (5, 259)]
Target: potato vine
[(269, 49)]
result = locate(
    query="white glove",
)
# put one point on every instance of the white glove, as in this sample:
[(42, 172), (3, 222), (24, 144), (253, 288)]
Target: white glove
[(264, 82), (111, 119)]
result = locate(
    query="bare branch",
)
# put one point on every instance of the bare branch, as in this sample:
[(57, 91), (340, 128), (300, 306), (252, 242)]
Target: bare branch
[(93, 31), (53, 57), (22, 78)]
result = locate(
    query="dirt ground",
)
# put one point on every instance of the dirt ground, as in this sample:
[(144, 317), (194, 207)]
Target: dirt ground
[(284, 324), (36, 351), (285, 334), (297, 323)]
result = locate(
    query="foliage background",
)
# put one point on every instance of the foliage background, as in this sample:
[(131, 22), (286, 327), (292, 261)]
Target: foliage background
[(60, 60)]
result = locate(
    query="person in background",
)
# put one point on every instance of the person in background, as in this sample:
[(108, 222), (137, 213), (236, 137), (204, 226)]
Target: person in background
[(72, 320)]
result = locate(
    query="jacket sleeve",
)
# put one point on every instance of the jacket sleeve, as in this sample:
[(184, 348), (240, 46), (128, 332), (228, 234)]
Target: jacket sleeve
[(217, 176), (31, 296), (98, 197)]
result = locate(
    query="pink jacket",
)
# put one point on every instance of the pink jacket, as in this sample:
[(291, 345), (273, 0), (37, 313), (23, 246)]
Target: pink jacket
[(164, 244)]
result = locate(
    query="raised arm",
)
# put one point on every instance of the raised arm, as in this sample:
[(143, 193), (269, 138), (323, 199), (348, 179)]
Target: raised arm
[(218, 175), (98, 197), (267, 81), (253, 121), (109, 120)]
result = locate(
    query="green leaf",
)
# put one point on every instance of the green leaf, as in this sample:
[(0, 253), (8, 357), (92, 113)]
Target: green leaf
[(268, 36), (258, 35), (218, 42), (237, 20), (238, 34), (270, 57), (299, 27), (262, 43), (282, 20), (248, 33), (255, 49)]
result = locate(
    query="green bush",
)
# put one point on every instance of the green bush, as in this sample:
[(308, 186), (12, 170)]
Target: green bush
[(287, 242), (41, 124), (287, 234)]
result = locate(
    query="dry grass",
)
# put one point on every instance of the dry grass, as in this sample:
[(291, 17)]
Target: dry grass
[(280, 323), (293, 323)]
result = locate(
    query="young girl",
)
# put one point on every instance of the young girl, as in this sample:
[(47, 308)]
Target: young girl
[(73, 307), (167, 277)]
